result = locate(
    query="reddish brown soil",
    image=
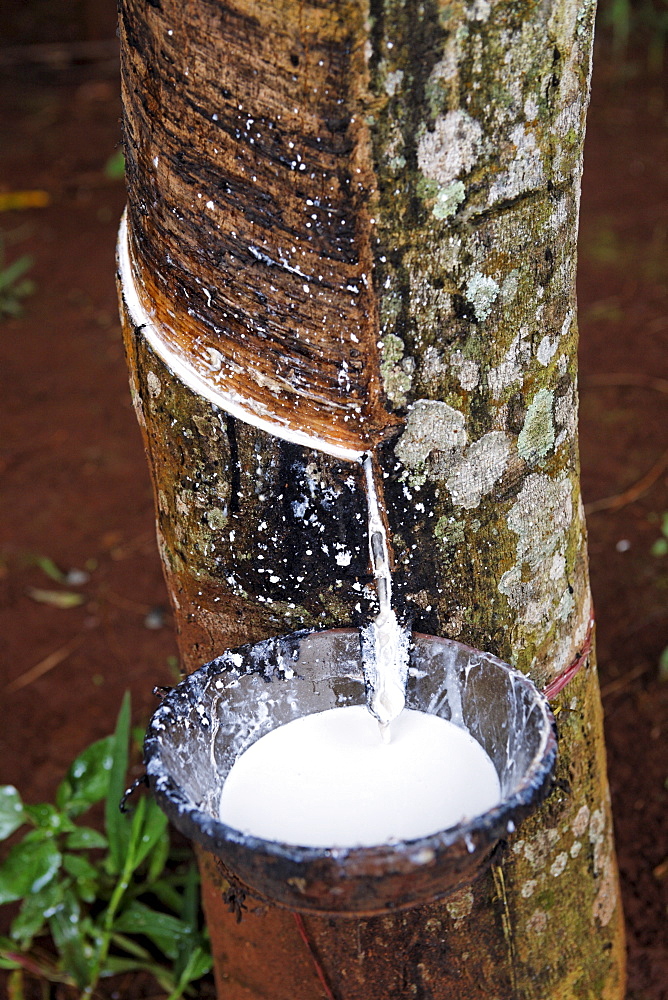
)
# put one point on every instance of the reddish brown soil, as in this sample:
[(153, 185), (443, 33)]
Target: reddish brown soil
[(623, 293), (76, 488)]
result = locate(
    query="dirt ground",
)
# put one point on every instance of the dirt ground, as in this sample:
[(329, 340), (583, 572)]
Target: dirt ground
[(75, 486)]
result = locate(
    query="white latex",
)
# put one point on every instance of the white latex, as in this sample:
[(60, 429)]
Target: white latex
[(327, 780), (386, 667)]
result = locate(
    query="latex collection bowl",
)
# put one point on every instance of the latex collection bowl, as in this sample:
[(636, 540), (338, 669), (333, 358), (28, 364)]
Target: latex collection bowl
[(216, 713)]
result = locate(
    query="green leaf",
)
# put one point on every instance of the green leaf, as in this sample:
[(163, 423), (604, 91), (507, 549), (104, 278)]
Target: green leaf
[(49, 567), (131, 946), (35, 911), (660, 547), (664, 523), (114, 168), (12, 814), (38, 836), (114, 965), (79, 867), (10, 306), (142, 837), (137, 739), (86, 877), (15, 271), (87, 891), (85, 838), (87, 779), (56, 598), (8, 963), (117, 825), (168, 894), (164, 930), (190, 916), (29, 866), (69, 935), (158, 859), (24, 288), (154, 827), (47, 817), (199, 963), (7, 949), (663, 666)]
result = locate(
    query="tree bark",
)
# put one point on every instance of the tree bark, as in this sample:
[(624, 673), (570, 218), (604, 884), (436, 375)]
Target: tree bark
[(354, 226)]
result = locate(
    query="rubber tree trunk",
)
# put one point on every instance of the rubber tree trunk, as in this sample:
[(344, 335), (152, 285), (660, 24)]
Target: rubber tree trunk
[(353, 225)]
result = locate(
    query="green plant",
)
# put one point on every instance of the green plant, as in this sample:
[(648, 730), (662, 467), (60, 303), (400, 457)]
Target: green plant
[(114, 168), (14, 286), (660, 546), (663, 666), (638, 21), (109, 903)]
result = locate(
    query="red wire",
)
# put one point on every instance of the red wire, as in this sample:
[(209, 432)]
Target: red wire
[(552, 689), (301, 927)]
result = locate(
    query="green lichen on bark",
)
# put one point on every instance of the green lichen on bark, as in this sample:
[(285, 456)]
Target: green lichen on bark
[(560, 868), (487, 97)]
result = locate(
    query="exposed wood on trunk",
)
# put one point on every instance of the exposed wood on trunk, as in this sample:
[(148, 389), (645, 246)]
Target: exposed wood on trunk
[(468, 128), (249, 174)]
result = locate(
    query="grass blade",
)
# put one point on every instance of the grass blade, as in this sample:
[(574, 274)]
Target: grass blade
[(116, 823)]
